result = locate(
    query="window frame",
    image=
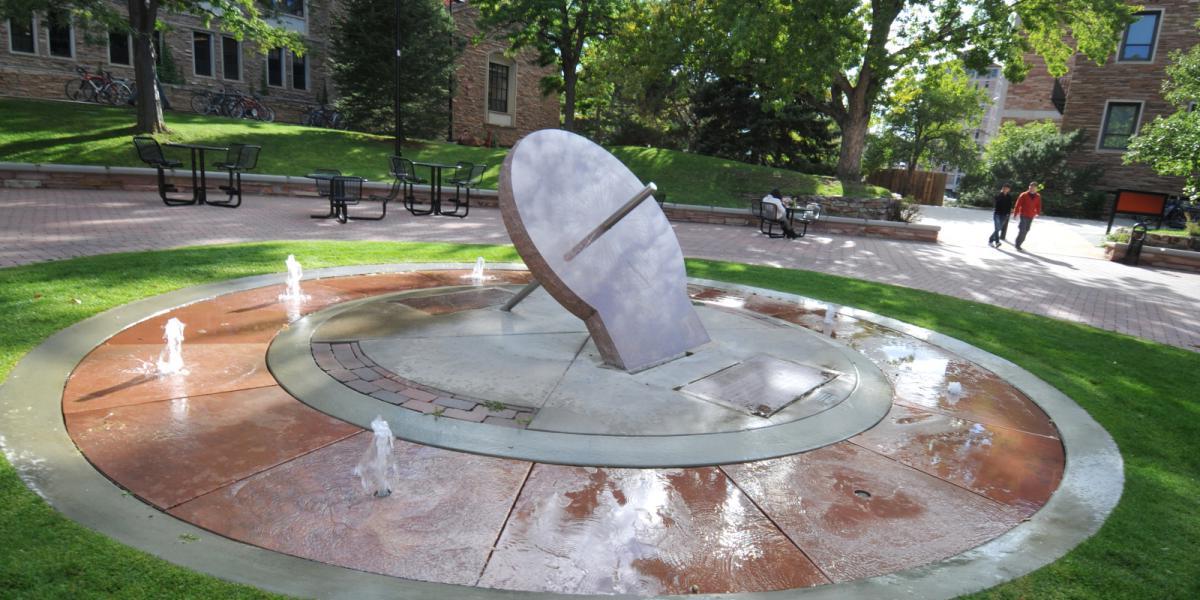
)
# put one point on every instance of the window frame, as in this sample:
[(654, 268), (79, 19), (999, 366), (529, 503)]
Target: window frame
[(274, 5), (241, 66), (212, 63), (70, 39), (493, 68), (282, 68), (495, 118), (307, 72), (33, 29), (128, 48), (1153, 40), (1104, 119)]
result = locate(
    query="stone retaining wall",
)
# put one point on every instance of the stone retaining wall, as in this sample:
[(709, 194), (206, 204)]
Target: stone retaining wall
[(1152, 256), (1173, 241), (52, 176), (835, 224)]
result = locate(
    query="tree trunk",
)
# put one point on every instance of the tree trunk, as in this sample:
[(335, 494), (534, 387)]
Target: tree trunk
[(854, 141), (569, 80), (142, 16)]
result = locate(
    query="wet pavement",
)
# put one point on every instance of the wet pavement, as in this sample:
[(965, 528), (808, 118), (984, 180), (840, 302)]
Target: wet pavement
[(222, 446)]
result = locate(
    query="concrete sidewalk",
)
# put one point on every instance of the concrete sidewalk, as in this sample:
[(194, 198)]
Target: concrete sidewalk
[(1061, 275)]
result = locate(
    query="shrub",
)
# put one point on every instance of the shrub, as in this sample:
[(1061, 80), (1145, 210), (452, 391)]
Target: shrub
[(1037, 152)]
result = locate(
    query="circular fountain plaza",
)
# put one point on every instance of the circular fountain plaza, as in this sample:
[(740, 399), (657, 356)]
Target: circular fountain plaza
[(804, 451)]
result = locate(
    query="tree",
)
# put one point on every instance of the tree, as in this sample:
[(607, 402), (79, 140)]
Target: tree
[(361, 48), (1037, 152), (931, 116), (846, 51), (559, 30), (1171, 144), (734, 123), (242, 18)]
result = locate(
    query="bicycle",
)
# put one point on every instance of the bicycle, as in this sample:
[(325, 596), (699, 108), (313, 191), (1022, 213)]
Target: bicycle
[(100, 87), (252, 107), (322, 116)]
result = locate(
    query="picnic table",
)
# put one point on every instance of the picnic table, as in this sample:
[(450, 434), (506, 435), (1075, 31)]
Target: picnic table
[(199, 181)]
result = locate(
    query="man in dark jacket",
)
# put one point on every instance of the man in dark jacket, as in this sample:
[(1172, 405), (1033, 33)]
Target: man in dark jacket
[(1003, 206)]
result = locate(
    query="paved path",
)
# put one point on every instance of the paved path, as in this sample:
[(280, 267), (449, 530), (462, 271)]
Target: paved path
[(1062, 275)]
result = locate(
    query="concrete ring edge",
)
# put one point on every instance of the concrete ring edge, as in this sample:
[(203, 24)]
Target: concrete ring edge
[(35, 441)]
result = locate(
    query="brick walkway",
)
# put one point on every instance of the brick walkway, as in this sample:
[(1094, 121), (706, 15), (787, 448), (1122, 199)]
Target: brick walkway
[(1061, 276)]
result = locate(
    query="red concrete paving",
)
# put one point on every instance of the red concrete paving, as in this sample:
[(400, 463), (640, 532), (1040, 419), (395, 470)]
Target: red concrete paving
[(1012, 467), (122, 374), (641, 531), (257, 466), (439, 524), (172, 451), (921, 375), (252, 316), (858, 514)]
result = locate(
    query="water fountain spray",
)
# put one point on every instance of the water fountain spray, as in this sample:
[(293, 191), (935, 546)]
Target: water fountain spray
[(295, 273), (170, 360), (477, 275), (375, 467)]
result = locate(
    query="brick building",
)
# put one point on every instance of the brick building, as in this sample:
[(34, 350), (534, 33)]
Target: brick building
[(497, 98), (1111, 103)]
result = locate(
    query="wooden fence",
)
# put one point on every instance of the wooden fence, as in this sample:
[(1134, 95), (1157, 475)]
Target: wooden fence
[(927, 187)]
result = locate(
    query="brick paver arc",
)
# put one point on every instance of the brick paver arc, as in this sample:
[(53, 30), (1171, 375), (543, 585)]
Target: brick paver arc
[(1054, 278)]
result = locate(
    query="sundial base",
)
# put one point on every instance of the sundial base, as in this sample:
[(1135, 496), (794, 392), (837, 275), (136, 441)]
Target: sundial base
[(539, 365)]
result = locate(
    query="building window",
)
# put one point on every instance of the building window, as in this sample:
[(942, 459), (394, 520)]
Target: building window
[(288, 7), (275, 67), (60, 35), (202, 55), (21, 37), (498, 87), (1138, 42), (231, 58), (1120, 123), (120, 51), (299, 72)]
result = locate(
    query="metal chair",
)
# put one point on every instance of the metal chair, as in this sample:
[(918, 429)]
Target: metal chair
[(238, 158), (405, 173), (151, 153), (768, 218), (344, 191), (323, 189), (466, 176), (402, 182)]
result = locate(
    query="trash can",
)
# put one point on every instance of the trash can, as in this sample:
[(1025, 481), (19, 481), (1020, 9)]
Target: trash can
[(1137, 238)]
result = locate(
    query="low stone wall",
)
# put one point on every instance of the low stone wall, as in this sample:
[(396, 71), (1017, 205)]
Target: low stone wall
[(1173, 241), (53, 176), (835, 224), (1152, 256), (875, 209)]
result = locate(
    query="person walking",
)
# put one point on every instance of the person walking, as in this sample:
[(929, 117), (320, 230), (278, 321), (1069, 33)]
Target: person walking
[(1029, 205), (1003, 206)]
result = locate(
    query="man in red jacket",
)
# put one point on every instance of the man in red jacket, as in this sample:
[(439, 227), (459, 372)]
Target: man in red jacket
[(1028, 206)]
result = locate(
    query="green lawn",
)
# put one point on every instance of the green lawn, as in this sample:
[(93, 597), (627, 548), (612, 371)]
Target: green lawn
[(1143, 393), (39, 131)]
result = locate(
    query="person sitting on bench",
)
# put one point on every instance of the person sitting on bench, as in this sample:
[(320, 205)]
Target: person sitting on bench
[(775, 198)]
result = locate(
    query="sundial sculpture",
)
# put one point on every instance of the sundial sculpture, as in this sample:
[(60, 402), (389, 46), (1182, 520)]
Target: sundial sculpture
[(581, 221)]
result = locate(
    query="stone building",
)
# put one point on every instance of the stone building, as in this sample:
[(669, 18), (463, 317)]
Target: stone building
[(497, 98), (1111, 103)]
